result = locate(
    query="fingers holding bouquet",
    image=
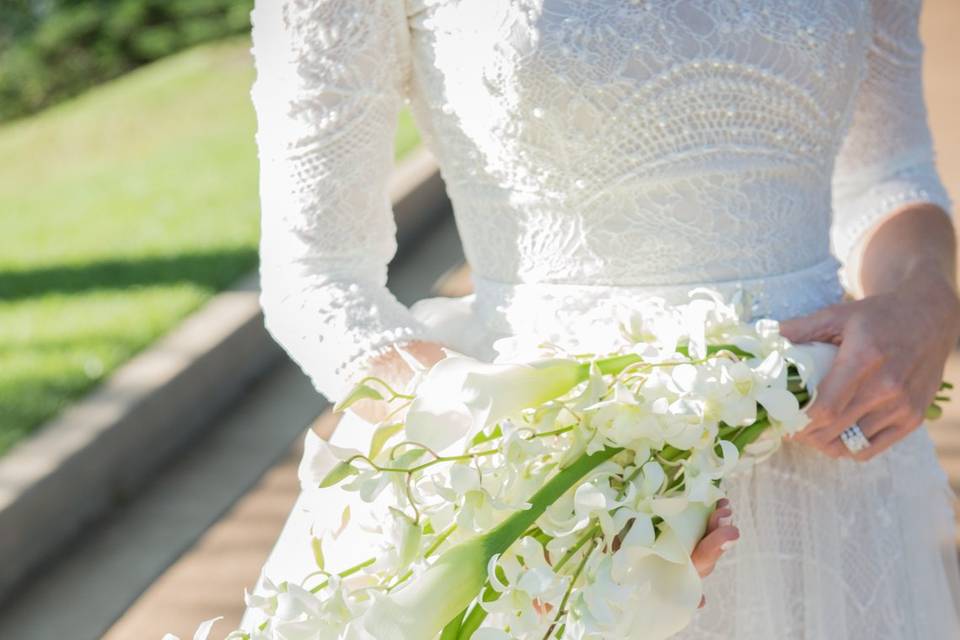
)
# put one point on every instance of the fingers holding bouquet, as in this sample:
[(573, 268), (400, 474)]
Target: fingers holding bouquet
[(886, 377), (720, 535)]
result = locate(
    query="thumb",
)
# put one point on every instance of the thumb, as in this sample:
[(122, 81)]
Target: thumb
[(825, 325)]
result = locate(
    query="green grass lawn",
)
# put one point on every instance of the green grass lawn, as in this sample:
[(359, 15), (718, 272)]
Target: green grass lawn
[(121, 212)]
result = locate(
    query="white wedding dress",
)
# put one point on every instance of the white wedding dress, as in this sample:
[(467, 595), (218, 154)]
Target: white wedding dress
[(601, 150)]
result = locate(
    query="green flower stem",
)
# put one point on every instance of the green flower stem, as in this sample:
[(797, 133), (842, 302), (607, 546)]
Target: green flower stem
[(499, 539), (507, 532), (362, 390), (438, 459), (441, 537), (425, 465), (615, 364), (439, 540), (561, 610), (476, 615), (717, 348), (345, 573), (452, 630), (555, 432), (572, 551), (750, 434)]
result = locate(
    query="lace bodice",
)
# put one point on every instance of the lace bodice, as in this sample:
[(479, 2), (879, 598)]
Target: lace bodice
[(601, 142)]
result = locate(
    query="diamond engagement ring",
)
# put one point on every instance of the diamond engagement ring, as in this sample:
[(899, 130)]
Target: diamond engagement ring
[(854, 439)]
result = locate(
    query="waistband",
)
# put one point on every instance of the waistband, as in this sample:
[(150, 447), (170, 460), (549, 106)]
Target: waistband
[(548, 308)]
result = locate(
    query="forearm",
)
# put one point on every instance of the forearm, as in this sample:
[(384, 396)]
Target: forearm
[(916, 244)]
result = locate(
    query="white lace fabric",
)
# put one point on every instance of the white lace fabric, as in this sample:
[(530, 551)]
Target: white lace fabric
[(601, 149), (602, 142)]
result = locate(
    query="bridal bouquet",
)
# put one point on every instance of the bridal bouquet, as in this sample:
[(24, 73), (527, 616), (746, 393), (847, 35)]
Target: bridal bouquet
[(551, 493)]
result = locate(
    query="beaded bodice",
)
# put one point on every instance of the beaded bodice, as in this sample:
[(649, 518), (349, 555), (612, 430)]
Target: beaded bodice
[(608, 143)]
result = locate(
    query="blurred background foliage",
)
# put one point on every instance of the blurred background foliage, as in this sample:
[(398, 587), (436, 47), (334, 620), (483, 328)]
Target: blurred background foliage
[(54, 49)]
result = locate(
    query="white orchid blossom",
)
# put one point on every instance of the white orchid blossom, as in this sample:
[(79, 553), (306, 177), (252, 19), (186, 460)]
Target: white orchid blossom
[(531, 587), (319, 459)]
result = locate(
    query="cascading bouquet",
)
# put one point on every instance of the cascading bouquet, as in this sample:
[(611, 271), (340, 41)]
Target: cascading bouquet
[(551, 494)]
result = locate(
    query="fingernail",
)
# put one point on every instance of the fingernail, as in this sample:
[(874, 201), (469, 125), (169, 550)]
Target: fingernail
[(726, 545), (725, 521)]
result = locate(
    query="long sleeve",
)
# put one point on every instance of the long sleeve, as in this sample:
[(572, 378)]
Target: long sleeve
[(887, 157), (331, 79)]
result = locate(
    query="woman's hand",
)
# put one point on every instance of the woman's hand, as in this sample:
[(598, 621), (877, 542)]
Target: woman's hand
[(719, 536), (396, 372), (893, 344)]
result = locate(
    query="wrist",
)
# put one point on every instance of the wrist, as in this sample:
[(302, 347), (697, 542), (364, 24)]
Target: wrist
[(926, 286), (920, 273)]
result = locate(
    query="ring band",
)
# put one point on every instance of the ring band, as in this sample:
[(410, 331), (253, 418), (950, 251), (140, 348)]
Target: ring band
[(854, 439)]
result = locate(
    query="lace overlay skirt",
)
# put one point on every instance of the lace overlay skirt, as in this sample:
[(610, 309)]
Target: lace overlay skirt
[(829, 549), (836, 549)]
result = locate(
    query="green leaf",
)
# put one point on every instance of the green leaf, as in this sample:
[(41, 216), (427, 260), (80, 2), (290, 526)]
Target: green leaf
[(359, 392), (933, 412), (407, 459), (481, 437), (381, 436), (341, 472), (317, 545), (946, 385)]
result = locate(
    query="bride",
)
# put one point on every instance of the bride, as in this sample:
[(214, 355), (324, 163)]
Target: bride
[(605, 150)]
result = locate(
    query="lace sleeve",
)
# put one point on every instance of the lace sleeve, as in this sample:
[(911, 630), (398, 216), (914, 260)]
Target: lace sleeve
[(887, 157), (331, 77)]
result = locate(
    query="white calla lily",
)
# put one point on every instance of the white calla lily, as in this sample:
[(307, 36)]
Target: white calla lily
[(671, 585), (418, 611), (459, 396), (438, 416), (495, 392)]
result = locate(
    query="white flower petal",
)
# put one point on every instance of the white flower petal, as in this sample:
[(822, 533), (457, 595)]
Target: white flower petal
[(203, 631), (813, 360), (438, 417), (673, 597), (319, 458), (779, 403), (489, 633), (652, 478), (464, 478)]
